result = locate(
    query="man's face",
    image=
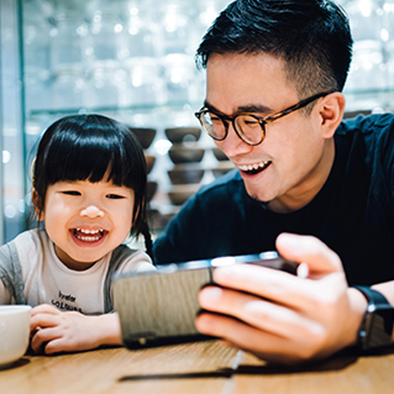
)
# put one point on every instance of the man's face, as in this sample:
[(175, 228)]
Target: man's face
[(293, 162)]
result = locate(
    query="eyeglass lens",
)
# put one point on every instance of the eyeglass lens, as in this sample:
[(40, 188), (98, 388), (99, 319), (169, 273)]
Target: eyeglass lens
[(247, 127)]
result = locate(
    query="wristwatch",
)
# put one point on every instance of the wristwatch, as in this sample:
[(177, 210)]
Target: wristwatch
[(377, 325)]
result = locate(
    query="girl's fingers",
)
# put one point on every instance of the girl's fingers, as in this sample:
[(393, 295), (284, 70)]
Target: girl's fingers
[(43, 320), (42, 337), (45, 308)]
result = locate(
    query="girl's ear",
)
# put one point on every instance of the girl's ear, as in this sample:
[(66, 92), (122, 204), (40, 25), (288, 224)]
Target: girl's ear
[(37, 205)]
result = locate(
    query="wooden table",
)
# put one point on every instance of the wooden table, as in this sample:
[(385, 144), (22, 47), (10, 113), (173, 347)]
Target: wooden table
[(200, 367)]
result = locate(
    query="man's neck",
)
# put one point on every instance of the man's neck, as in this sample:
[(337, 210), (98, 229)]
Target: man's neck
[(305, 192)]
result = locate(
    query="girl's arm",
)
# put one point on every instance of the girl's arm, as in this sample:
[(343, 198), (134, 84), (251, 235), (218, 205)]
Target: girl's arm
[(5, 297), (53, 331)]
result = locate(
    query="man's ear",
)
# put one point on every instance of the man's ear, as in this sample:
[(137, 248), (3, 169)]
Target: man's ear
[(36, 200), (331, 112)]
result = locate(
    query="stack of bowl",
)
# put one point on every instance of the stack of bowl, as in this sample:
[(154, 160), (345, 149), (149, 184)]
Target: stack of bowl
[(146, 135), (186, 155), (224, 165)]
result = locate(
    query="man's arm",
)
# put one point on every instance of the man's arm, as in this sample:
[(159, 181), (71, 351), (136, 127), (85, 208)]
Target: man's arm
[(283, 318), (387, 289)]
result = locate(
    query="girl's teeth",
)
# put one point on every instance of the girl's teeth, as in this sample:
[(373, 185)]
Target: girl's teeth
[(89, 231), (88, 235)]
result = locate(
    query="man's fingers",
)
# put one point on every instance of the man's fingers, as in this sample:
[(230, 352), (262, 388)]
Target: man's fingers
[(321, 260), (257, 312), (267, 346), (277, 286)]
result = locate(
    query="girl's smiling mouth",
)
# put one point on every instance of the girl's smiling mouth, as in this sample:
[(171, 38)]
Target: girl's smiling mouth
[(88, 236)]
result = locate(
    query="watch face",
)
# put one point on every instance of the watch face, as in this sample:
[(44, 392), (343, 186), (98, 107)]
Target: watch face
[(376, 328), (380, 328)]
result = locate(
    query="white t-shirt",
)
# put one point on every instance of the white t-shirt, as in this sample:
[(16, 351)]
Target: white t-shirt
[(47, 280)]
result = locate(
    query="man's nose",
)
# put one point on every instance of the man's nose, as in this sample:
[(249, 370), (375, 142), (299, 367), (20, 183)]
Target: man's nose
[(92, 211), (233, 145)]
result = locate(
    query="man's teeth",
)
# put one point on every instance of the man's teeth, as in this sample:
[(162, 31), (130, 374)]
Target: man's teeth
[(254, 167), (88, 235)]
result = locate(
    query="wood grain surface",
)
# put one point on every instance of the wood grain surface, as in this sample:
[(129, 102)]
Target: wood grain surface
[(201, 367)]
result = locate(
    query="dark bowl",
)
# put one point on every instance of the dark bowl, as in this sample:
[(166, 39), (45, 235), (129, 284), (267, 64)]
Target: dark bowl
[(158, 220), (179, 194), (150, 190), (183, 154), (145, 135), (222, 169), (182, 134), (150, 161), (184, 175), (219, 154)]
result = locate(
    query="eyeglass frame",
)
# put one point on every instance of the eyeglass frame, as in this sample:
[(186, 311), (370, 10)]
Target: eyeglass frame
[(261, 120)]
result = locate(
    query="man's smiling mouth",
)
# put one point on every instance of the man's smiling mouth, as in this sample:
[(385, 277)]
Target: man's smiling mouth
[(88, 235), (252, 169)]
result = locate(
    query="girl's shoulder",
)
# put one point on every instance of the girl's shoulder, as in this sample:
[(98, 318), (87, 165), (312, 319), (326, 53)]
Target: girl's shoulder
[(36, 239), (30, 239), (124, 258), (28, 246)]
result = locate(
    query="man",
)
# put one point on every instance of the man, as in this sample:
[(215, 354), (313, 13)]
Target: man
[(275, 72)]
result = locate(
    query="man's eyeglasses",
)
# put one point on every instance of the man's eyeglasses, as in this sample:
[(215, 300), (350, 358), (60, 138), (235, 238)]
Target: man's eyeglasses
[(248, 126)]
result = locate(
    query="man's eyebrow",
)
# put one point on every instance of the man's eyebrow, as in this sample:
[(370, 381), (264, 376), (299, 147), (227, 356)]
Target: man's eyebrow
[(212, 108), (254, 108)]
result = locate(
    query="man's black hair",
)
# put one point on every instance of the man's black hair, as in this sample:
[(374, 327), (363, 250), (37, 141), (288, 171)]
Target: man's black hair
[(312, 37)]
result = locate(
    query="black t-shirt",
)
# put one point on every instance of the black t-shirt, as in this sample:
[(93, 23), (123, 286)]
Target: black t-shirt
[(353, 213)]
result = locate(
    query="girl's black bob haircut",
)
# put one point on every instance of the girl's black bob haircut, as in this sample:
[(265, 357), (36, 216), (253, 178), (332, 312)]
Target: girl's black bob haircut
[(94, 148)]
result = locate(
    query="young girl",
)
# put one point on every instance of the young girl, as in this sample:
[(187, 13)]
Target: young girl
[(89, 186)]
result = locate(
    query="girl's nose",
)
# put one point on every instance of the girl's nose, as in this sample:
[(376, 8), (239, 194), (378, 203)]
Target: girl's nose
[(92, 211)]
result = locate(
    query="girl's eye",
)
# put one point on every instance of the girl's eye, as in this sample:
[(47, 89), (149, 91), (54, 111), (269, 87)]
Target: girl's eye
[(114, 196), (71, 193)]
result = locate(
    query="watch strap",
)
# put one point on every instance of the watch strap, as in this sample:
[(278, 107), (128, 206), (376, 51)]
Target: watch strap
[(377, 325), (373, 296)]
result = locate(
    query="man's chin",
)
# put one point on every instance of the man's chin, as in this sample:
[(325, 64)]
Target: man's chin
[(258, 196)]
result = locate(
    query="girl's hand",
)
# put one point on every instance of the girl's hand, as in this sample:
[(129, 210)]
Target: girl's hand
[(54, 331)]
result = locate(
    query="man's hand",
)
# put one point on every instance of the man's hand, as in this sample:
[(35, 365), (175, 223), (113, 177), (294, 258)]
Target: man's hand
[(283, 318), (54, 331)]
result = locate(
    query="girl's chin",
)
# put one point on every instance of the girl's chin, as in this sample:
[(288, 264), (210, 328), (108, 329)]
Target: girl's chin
[(79, 265)]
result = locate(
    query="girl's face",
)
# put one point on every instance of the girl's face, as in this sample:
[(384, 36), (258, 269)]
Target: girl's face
[(87, 220)]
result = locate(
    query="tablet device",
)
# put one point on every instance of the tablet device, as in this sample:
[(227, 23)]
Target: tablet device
[(160, 307)]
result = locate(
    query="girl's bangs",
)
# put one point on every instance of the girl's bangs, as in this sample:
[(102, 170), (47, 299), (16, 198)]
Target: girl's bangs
[(92, 158)]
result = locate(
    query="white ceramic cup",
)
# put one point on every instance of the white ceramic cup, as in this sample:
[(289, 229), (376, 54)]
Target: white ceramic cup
[(14, 333)]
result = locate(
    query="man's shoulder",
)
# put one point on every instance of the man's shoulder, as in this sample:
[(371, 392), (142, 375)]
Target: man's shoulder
[(374, 133), (368, 124)]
